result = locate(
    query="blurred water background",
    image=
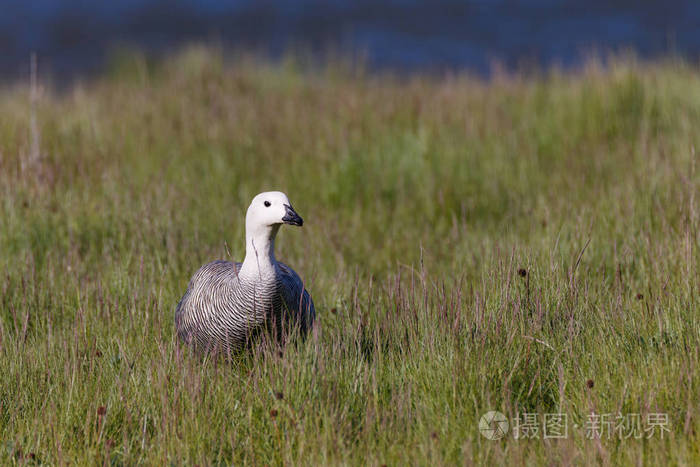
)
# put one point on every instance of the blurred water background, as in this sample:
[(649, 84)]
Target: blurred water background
[(76, 37)]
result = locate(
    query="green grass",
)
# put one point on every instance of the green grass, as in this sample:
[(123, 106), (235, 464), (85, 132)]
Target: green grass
[(422, 198)]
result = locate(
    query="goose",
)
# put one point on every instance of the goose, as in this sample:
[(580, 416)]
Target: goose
[(226, 304)]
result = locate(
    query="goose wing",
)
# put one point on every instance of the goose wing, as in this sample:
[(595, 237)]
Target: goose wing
[(296, 297)]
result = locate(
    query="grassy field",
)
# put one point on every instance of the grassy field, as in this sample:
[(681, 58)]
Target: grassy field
[(528, 244)]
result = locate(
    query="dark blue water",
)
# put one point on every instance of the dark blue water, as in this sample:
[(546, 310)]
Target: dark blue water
[(73, 38)]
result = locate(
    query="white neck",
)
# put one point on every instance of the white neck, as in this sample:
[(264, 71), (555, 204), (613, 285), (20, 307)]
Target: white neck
[(259, 251)]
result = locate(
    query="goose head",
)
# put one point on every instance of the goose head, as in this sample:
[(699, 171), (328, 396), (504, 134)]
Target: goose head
[(269, 210)]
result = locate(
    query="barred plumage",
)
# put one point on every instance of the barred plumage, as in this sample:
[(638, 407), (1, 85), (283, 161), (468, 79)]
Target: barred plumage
[(226, 304)]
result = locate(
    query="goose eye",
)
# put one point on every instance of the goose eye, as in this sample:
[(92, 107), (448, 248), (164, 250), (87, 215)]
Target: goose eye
[(267, 204)]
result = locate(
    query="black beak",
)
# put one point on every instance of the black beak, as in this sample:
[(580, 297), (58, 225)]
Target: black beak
[(291, 217)]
